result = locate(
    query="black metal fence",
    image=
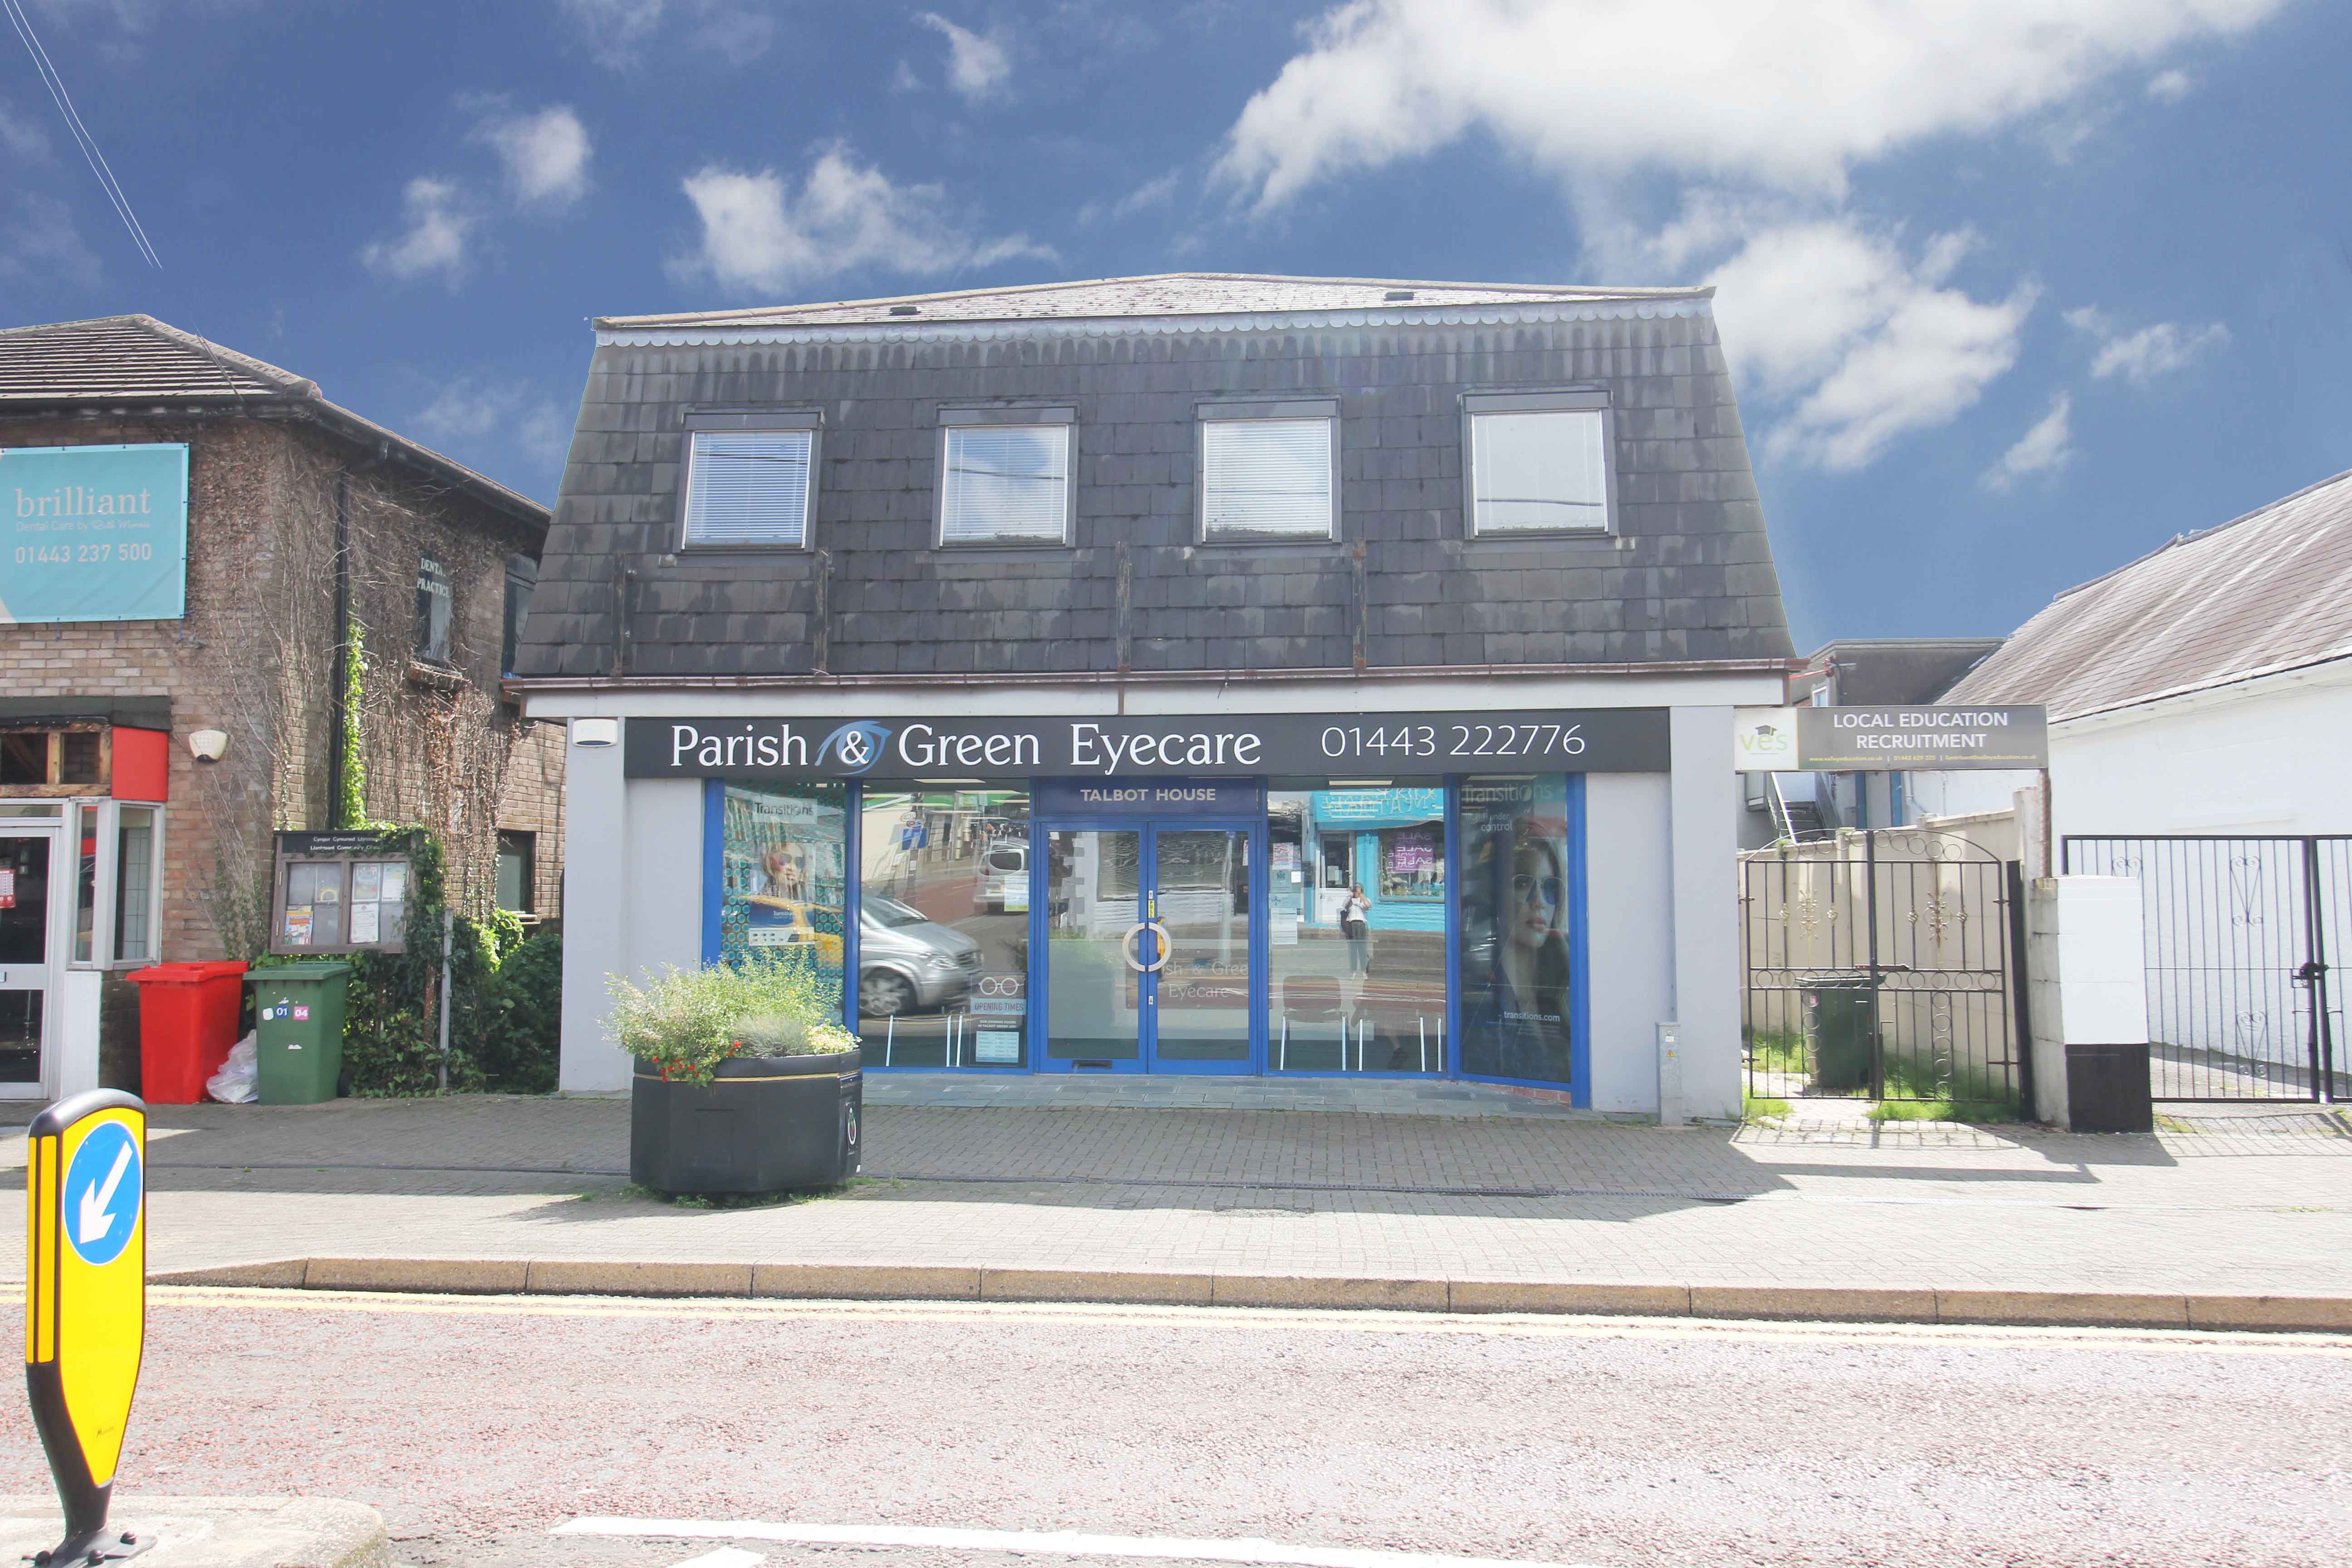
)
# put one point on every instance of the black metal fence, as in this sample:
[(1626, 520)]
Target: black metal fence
[(1882, 965), (2239, 936)]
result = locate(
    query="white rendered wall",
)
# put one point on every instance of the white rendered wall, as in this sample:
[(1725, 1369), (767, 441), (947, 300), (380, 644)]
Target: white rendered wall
[(632, 898), (1630, 932), (2267, 757), (1704, 792), (2088, 981)]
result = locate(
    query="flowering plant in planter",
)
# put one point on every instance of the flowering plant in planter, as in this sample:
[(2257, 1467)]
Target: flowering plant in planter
[(687, 1022)]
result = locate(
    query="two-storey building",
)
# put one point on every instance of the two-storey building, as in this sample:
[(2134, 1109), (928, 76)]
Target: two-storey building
[(1188, 674)]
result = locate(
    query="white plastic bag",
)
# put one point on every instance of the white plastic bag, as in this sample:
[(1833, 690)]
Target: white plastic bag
[(233, 1084)]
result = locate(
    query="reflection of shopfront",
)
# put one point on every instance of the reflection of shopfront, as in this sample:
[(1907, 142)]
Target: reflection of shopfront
[(1175, 924)]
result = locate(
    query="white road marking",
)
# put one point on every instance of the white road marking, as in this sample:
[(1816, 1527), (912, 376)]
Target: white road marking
[(2201, 1342), (725, 1557), (1063, 1542)]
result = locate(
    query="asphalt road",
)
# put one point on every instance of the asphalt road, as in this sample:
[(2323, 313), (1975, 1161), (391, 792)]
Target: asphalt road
[(477, 1425)]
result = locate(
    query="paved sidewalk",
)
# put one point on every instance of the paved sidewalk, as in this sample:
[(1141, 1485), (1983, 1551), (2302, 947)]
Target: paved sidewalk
[(2258, 1204)]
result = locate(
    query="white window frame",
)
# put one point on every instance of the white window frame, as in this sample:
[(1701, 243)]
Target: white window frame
[(1207, 413), (1573, 401), (105, 820), (952, 419), (806, 422)]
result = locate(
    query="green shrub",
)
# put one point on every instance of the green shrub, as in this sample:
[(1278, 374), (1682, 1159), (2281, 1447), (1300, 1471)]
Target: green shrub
[(518, 1019), (688, 1021)]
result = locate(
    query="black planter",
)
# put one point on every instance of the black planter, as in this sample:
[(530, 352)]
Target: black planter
[(764, 1124)]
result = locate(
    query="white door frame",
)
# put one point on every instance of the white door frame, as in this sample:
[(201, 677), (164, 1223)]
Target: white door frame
[(43, 977)]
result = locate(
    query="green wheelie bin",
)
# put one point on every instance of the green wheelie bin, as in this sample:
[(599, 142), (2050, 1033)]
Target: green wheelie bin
[(1843, 1012), (298, 1015)]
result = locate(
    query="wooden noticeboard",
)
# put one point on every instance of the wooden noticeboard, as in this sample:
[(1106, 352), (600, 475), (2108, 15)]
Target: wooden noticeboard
[(340, 892)]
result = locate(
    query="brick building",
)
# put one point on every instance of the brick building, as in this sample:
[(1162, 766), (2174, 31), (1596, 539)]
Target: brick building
[(130, 642)]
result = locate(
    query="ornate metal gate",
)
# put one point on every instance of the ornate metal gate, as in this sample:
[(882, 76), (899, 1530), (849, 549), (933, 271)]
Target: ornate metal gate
[(2240, 934), (1881, 965)]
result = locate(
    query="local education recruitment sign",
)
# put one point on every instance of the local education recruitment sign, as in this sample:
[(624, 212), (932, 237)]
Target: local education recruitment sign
[(1628, 739), (1888, 738), (94, 533)]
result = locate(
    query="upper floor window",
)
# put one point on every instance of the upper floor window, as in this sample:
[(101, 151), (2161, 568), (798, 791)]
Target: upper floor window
[(1004, 476), (522, 575), (431, 611), (1270, 476), (1538, 463), (749, 487)]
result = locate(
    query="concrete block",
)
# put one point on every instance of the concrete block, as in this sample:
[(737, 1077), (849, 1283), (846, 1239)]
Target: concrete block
[(279, 1274), (1094, 1285), (565, 1276), (1314, 1290), (2313, 1314), (484, 1277), (1547, 1296), (217, 1532), (1825, 1303), (880, 1281), (2098, 1309)]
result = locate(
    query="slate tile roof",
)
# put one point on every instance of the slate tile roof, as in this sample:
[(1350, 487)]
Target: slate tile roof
[(139, 362), (2269, 591), (1160, 294)]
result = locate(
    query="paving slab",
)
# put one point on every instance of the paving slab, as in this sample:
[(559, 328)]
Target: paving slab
[(217, 1533)]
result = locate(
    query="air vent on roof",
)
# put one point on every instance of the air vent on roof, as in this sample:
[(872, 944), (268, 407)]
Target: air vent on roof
[(1398, 294), (906, 310)]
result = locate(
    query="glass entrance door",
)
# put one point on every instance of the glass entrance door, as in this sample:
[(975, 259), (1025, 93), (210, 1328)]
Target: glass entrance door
[(24, 939), (1149, 961)]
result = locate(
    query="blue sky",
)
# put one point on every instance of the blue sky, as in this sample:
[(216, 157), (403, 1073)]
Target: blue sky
[(2015, 289)]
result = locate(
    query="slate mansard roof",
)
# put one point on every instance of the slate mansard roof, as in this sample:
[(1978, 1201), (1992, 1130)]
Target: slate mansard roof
[(139, 365), (2270, 591), (1690, 580)]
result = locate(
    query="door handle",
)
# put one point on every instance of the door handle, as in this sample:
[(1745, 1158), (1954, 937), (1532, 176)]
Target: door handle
[(1127, 947)]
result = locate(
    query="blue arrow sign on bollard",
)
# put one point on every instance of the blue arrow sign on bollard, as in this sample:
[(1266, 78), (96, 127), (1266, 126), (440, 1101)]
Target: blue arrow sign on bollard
[(102, 1190)]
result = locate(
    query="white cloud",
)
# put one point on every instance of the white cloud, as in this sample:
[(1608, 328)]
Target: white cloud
[(2140, 357), (40, 243), (474, 414), (1790, 98), (1845, 342), (546, 154), (1151, 194), (21, 135), (759, 234), (615, 30), (2170, 87), (979, 66), (2044, 449), (435, 241)]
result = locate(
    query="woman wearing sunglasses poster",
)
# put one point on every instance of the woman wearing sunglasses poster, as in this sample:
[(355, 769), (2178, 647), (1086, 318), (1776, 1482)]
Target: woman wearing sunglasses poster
[(1515, 1020)]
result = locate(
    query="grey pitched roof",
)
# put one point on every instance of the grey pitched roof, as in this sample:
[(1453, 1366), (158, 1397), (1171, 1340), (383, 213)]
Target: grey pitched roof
[(1160, 294), (139, 362), (2269, 591)]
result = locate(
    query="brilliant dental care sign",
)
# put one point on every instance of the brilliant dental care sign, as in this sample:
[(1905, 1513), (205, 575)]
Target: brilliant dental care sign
[(94, 533), (1585, 741)]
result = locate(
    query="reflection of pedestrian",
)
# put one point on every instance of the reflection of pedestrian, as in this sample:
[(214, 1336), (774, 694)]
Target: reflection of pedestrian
[(1354, 914), (1524, 1013)]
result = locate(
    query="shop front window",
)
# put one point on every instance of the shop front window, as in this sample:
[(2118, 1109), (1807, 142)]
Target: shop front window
[(1356, 930), (134, 885), (781, 868), (943, 925), (1518, 976)]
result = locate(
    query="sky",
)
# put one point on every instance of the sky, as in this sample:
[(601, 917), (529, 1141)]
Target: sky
[(2012, 290)]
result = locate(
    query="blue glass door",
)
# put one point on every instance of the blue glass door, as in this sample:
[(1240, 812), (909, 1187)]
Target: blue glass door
[(1148, 949)]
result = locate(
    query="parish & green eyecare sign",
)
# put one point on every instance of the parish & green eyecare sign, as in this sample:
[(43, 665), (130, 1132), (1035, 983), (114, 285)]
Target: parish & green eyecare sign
[(1606, 739)]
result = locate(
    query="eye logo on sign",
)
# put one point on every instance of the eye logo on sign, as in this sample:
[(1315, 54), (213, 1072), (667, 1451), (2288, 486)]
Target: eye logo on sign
[(856, 746), (103, 1186)]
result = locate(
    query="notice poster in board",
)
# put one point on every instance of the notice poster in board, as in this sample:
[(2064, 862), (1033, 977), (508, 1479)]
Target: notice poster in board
[(340, 893)]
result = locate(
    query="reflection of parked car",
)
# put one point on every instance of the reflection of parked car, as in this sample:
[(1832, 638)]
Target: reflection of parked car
[(1004, 877), (784, 925), (908, 962)]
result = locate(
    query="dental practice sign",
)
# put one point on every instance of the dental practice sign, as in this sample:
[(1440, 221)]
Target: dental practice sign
[(94, 533), (1557, 740), (1886, 739)]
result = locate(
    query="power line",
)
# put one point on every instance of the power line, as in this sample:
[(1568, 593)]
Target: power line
[(48, 72)]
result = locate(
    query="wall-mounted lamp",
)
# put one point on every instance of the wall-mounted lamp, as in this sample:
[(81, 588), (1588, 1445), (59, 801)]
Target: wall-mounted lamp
[(208, 745), (595, 732)]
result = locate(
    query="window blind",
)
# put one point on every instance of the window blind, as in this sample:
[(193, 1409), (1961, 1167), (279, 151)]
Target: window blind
[(1538, 471), (1006, 482), (1266, 477), (747, 487)]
